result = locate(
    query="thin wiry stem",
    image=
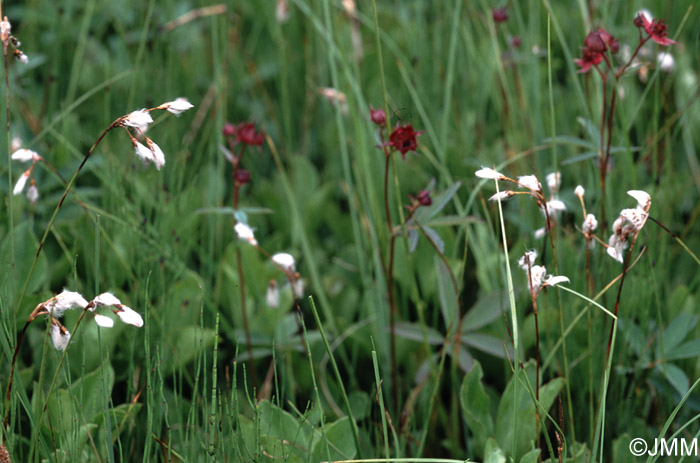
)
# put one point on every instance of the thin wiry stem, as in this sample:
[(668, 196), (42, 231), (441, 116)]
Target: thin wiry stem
[(239, 261)]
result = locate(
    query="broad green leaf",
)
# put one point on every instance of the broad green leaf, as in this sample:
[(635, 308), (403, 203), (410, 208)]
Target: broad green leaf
[(446, 292), (26, 245), (569, 140), (487, 343), (676, 331), (450, 220), (591, 129), (493, 453), (675, 376), (533, 456), (189, 341), (524, 419), (621, 450), (339, 442), (416, 332), (476, 407), (485, 310), (690, 349)]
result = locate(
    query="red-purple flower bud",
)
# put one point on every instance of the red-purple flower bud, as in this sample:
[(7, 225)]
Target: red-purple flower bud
[(595, 43), (424, 198), (242, 177), (516, 41), (500, 15), (378, 116), (609, 40), (639, 21), (229, 130), (245, 133)]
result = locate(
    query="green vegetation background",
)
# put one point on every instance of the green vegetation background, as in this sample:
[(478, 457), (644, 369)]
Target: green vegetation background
[(181, 389)]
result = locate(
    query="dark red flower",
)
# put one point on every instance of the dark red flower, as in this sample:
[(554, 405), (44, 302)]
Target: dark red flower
[(242, 177), (229, 130), (516, 41), (500, 15), (610, 42), (589, 59), (378, 116), (403, 139), (245, 133), (656, 29), (424, 198), (594, 42)]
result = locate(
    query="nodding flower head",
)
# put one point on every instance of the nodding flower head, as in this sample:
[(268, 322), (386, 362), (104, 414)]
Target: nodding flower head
[(656, 28), (137, 119), (60, 336), (590, 224), (489, 174), (628, 224), (404, 139), (378, 116), (284, 260), (500, 15), (530, 182), (177, 106), (553, 181), (24, 155), (125, 314), (502, 195), (246, 134), (66, 300), (244, 232)]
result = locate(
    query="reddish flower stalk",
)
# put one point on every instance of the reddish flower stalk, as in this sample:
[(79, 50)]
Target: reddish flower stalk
[(597, 45), (403, 140), (242, 135)]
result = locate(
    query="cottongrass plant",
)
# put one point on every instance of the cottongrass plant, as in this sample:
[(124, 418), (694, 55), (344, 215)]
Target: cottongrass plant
[(57, 306)]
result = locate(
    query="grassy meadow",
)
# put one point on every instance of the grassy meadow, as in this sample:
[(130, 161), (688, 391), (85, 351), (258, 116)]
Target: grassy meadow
[(376, 299)]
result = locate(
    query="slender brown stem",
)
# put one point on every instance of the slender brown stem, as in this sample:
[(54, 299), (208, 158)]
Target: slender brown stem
[(619, 294), (390, 285), (602, 157), (241, 275), (12, 371)]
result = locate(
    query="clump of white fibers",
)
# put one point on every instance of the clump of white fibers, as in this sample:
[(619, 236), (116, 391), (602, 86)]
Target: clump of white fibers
[(538, 273), (628, 224)]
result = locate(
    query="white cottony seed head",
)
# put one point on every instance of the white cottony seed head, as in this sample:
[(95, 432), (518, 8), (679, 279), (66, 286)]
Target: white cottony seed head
[(579, 191), (552, 280), (272, 296), (138, 119), (284, 260), (21, 182), (178, 106), (59, 336), (665, 61), (488, 173), (589, 224), (540, 233), (21, 57), (282, 11), (502, 196), (24, 155), (158, 156), (643, 199), (129, 316), (528, 259), (554, 181), (143, 152), (64, 301), (244, 232), (555, 206), (530, 182), (106, 299), (5, 28), (33, 194), (104, 321)]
